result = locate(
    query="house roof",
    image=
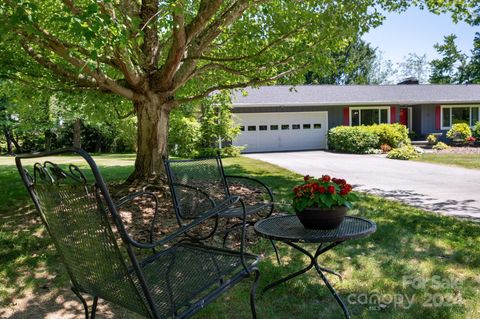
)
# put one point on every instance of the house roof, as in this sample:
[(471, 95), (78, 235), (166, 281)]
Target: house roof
[(287, 95)]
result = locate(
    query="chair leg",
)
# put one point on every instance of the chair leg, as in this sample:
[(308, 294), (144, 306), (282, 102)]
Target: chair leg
[(253, 291), (276, 252), (85, 306)]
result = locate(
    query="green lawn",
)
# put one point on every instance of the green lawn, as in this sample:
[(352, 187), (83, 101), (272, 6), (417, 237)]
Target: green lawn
[(462, 160), (409, 244)]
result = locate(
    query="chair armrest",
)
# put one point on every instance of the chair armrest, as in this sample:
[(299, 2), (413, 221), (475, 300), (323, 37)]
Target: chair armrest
[(125, 199), (182, 230), (263, 185)]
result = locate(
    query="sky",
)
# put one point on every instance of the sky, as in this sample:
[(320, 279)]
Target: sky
[(416, 31)]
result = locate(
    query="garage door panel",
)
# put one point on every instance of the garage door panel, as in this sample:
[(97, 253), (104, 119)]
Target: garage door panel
[(285, 131)]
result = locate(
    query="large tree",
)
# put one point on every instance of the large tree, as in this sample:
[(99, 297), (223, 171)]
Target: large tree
[(160, 54), (450, 68)]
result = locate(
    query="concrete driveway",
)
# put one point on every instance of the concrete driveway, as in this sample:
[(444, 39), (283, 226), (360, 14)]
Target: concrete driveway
[(438, 188)]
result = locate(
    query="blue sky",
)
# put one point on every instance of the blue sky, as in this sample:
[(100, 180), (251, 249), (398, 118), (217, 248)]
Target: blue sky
[(416, 31)]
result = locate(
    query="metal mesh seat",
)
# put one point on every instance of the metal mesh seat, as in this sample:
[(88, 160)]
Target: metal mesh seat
[(102, 259), (199, 183)]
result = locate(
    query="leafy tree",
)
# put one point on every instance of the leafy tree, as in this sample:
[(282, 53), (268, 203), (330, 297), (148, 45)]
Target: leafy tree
[(161, 54), (451, 67), (415, 66), (472, 70)]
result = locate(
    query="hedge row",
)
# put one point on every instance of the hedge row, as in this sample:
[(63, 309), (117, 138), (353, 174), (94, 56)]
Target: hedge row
[(363, 139)]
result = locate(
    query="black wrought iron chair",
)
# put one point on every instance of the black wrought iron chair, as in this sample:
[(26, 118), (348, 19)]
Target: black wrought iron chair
[(166, 278), (196, 184)]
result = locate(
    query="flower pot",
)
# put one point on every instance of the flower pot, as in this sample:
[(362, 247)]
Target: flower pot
[(322, 218)]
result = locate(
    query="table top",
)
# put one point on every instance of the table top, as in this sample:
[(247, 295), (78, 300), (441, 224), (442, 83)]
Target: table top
[(288, 228)]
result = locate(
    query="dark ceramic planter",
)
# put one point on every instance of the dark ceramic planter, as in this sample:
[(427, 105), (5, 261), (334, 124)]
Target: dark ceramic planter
[(322, 218)]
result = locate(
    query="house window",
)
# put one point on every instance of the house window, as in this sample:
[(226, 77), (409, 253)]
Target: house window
[(273, 127), (262, 127), (242, 128), (369, 115), (306, 126), (295, 126), (285, 126), (317, 126), (252, 128), (459, 114)]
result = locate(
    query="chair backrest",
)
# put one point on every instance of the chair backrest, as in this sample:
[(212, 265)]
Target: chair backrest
[(192, 180), (76, 214)]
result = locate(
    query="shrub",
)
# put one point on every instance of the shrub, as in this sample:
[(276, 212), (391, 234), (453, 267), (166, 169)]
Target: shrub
[(405, 152), (183, 136), (385, 148), (476, 130), (431, 139), (459, 131), (440, 146), (392, 134), (351, 139), (228, 151)]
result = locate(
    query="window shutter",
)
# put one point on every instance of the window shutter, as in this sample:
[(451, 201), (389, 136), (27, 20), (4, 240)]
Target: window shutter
[(438, 111), (346, 116), (393, 114)]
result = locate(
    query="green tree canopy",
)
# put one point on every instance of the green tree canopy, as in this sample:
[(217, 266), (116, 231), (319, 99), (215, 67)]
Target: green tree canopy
[(161, 54)]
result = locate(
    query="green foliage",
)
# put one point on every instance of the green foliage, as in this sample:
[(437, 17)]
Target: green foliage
[(351, 139), (227, 151), (360, 139), (459, 131), (476, 130), (432, 139), (440, 146), (392, 134), (405, 152), (416, 66), (184, 135)]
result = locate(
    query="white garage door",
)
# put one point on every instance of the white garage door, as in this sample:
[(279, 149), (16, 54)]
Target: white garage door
[(288, 131)]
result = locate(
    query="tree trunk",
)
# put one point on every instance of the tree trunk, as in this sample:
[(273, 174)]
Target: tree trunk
[(15, 142), (48, 140), (77, 133), (8, 138), (152, 135)]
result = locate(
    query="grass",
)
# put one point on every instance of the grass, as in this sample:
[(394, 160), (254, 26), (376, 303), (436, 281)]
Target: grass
[(462, 160), (409, 244)]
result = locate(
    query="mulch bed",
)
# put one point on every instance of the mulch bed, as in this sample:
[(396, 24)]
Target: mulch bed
[(460, 150)]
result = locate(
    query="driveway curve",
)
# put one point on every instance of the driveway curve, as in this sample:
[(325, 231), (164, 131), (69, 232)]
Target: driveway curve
[(439, 188)]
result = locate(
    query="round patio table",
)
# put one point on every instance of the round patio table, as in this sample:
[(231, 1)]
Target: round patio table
[(289, 230)]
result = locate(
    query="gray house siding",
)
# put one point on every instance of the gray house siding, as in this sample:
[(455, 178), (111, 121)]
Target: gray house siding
[(428, 120)]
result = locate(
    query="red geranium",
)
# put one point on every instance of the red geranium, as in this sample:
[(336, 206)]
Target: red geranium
[(324, 192)]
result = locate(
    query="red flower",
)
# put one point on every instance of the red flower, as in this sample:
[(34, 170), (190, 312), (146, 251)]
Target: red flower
[(331, 189), (339, 181), (344, 191), (322, 190), (306, 178), (326, 178)]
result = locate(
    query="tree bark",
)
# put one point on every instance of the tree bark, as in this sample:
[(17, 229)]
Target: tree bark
[(48, 140), (8, 138), (77, 133), (152, 135)]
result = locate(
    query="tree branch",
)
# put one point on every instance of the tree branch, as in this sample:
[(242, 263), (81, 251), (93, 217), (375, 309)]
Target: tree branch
[(72, 7), (238, 85), (150, 48)]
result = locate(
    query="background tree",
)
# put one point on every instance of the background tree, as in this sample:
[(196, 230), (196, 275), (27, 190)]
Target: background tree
[(416, 66), (472, 70), (161, 54), (451, 67)]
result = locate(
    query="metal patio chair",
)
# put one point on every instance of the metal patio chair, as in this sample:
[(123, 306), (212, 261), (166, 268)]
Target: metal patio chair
[(172, 277), (199, 184)]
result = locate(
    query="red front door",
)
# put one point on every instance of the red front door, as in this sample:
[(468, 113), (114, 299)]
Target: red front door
[(404, 116)]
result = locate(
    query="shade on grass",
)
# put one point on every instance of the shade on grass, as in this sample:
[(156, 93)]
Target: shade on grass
[(462, 160), (410, 244)]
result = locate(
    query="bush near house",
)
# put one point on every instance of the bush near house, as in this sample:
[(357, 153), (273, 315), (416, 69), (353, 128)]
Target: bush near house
[(476, 130), (352, 139), (361, 139), (405, 152), (459, 131), (440, 146)]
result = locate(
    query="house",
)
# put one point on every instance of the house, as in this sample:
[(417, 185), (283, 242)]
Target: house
[(284, 118)]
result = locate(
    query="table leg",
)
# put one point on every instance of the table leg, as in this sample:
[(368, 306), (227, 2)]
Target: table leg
[(325, 280), (295, 274)]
